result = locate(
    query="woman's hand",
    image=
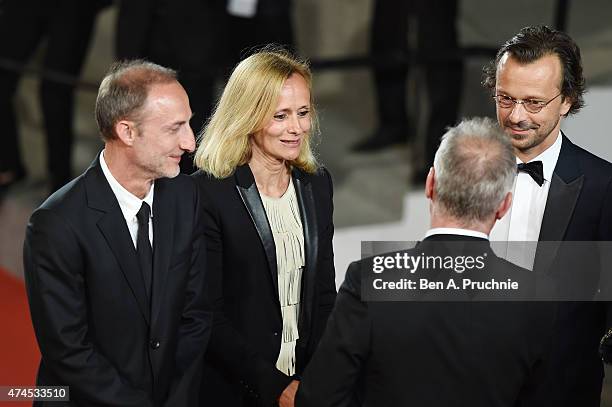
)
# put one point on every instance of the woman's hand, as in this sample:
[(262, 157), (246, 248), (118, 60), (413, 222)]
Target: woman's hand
[(287, 397)]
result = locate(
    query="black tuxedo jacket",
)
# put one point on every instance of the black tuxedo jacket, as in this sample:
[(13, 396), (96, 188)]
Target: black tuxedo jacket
[(246, 338), (417, 353), (96, 331), (578, 208)]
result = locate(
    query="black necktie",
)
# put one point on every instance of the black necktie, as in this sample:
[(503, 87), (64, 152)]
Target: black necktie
[(535, 169), (143, 247)]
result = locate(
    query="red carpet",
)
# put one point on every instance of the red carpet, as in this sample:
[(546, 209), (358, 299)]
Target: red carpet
[(19, 354)]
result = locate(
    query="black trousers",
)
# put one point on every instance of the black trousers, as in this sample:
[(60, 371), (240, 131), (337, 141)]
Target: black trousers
[(436, 43), (247, 34), (67, 27)]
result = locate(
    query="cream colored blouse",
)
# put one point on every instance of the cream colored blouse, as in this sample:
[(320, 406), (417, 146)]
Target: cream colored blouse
[(284, 217)]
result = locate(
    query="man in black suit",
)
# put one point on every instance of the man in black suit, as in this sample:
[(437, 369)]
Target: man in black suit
[(561, 193), (437, 53), (114, 261), (434, 353)]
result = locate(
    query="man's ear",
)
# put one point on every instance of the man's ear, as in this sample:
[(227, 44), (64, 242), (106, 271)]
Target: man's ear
[(430, 183), (126, 131), (566, 105), (504, 206)]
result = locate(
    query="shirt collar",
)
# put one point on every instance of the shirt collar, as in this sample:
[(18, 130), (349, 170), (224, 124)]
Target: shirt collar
[(456, 231), (548, 157), (129, 203)]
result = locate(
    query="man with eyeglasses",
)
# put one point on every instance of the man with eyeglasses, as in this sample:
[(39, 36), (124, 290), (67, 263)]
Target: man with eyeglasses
[(561, 193)]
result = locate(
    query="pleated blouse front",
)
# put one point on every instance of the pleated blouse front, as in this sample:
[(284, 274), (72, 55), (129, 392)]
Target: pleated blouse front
[(284, 218)]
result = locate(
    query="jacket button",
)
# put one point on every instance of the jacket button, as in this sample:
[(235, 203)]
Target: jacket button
[(154, 343), (275, 333)]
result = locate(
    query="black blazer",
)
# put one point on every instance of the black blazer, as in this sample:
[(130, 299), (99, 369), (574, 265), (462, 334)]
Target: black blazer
[(95, 329), (578, 208), (426, 353), (247, 330)]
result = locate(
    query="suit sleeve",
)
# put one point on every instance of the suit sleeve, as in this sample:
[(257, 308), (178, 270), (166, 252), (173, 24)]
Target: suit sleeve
[(228, 349), (195, 327), (331, 376), (56, 290), (542, 316), (326, 274), (605, 235)]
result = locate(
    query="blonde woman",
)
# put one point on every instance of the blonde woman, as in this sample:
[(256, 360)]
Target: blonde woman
[(268, 220)]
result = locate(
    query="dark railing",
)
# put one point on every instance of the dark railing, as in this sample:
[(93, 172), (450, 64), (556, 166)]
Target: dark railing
[(408, 58)]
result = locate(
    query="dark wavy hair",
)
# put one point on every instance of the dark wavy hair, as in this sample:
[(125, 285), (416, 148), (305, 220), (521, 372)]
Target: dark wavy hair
[(535, 42)]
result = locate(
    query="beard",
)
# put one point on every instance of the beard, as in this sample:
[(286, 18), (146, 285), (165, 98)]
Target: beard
[(523, 125), (536, 134)]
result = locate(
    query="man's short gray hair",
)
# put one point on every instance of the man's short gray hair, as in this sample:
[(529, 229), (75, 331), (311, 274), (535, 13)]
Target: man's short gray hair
[(475, 168), (124, 90)]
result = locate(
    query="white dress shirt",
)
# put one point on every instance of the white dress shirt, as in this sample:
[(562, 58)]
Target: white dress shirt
[(456, 231), (523, 221), (129, 203), (242, 8)]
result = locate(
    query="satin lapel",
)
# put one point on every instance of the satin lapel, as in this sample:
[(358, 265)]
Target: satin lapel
[(114, 229), (308, 214), (560, 206), (247, 189), (563, 194), (163, 233)]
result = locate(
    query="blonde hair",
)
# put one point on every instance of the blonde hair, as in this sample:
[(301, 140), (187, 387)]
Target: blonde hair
[(247, 103)]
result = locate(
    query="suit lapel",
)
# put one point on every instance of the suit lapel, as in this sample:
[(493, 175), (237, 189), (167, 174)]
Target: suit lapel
[(563, 194), (247, 189), (114, 229), (308, 214), (163, 230)]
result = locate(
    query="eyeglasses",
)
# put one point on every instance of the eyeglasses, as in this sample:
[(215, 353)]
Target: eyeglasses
[(531, 105)]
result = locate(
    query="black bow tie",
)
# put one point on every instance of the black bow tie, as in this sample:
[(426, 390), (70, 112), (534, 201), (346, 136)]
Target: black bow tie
[(535, 169)]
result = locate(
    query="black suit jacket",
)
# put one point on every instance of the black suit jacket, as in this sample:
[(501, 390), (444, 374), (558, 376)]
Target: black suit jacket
[(246, 338), (95, 328), (426, 352), (578, 208)]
